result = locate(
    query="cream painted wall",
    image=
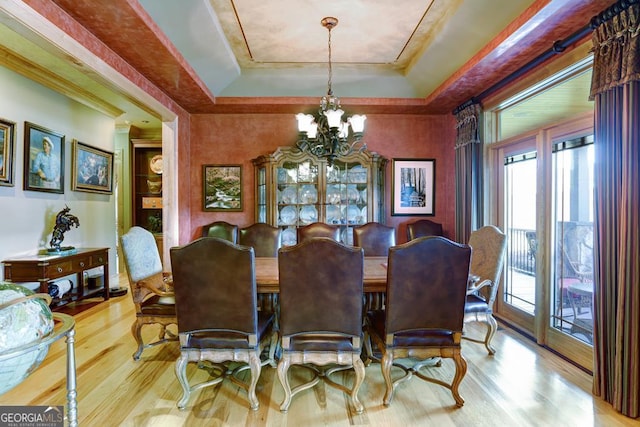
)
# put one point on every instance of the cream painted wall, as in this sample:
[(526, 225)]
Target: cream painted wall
[(27, 217)]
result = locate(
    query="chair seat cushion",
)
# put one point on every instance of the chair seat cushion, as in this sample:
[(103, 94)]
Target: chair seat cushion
[(321, 342), (155, 307), (475, 304), (417, 338), (217, 339)]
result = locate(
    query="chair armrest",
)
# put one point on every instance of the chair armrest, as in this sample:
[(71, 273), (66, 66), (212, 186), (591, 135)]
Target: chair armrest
[(476, 287), (158, 284)]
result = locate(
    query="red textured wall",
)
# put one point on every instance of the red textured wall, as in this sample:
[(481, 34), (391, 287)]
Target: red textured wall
[(238, 138)]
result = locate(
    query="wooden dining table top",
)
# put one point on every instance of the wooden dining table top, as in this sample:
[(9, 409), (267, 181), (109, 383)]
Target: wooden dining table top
[(375, 274)]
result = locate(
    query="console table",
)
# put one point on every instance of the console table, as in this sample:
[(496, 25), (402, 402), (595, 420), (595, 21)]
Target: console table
[(48, 267)]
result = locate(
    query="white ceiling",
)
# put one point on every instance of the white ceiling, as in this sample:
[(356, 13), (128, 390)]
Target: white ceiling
[(380, 48)]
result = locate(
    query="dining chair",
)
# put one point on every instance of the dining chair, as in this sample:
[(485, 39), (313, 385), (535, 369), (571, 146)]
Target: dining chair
[(321, 284), (374, 238), (151, 288), (424, 312), (218, 321), (263, 238), (489, 247), (423, 227), (222, 230), (318, 229)]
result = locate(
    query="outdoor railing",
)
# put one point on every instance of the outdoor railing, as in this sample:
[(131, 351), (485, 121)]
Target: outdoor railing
[(521, 247)]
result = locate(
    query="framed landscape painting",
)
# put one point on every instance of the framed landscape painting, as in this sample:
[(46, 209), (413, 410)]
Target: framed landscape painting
[(7, 132), (92, 169), (43, 159), (413, 191), (222, 187)]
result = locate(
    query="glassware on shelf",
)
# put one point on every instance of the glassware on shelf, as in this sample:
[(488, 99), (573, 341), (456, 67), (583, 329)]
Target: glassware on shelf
[(288, 215), (333, 214), (289, 195), (352, 193), (357, 175), (308, 214), (347, 236), (308, 194), (289, 237), (352, 214), (333, 194)]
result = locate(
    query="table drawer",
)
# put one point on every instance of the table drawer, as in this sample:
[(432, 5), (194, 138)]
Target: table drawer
[(59, 269), (99, 259), (82, 263)]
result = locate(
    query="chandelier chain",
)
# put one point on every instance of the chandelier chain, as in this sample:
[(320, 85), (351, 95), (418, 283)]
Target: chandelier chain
[(329, 91)]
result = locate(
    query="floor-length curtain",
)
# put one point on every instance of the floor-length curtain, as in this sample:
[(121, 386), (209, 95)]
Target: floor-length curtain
[(616, 91), (468, 171)]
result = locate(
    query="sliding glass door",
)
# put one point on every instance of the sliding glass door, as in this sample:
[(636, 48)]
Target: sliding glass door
[(572, 245)]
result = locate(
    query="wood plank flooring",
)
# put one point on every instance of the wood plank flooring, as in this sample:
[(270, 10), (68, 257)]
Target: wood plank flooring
[(522, 385)]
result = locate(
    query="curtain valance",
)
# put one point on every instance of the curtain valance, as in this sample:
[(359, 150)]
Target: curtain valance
[(616, 47)]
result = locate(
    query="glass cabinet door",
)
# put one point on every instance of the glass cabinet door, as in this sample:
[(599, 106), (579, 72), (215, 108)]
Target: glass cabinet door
[(346, 201), (294, 189), (297, 196)]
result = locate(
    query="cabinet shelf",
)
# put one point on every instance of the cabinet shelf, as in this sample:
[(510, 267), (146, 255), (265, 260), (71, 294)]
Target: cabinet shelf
[(294, 189)]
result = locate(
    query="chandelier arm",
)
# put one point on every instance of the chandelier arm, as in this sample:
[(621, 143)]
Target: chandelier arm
[(325, 141)]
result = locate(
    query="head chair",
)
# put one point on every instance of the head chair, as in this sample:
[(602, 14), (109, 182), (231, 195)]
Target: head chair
[(489, 247), (422, 228), (222, 230), (151, 289), (321, 313), (218, 321), (374, 238), (423, 318), (263, 238), (318, 229)]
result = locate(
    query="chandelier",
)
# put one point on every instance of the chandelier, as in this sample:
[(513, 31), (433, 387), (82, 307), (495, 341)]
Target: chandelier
[(327, 135)]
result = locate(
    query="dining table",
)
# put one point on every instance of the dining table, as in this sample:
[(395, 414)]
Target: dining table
[(375, 275)]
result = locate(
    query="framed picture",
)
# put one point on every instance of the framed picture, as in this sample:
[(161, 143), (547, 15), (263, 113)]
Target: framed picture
[(222, 187), (92, 169), (413, 191), (43, 159), (7, 133)]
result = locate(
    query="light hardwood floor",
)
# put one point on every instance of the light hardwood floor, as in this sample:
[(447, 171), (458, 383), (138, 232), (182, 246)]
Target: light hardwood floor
[(522, 385)]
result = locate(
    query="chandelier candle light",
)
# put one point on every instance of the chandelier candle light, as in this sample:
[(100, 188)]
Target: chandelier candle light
[(327, 135)]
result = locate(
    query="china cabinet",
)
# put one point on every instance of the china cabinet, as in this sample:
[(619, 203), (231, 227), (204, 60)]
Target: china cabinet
[(294, 189), (146, 183)]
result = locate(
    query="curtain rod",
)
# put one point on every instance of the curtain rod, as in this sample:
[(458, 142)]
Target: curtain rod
[(610, 12), (558, 47)]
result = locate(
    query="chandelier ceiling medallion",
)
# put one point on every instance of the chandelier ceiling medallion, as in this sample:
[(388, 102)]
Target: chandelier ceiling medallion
[(327, 135)]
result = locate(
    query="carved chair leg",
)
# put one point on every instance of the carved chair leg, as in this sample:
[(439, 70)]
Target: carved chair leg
[(181, 373), (358, 367), (387, 362), (283, 368), (492, 326), (136, 331), (461, 370), (256, 367)]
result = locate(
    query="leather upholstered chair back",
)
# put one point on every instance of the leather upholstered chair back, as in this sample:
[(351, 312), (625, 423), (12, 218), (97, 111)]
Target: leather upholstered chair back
[(374, 238), (218, 320), (422, 228), (263, 238), (424, 314), (221, 230), (321, 283), (321, 288), (217, 288), (427, 285), (318, 229)]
